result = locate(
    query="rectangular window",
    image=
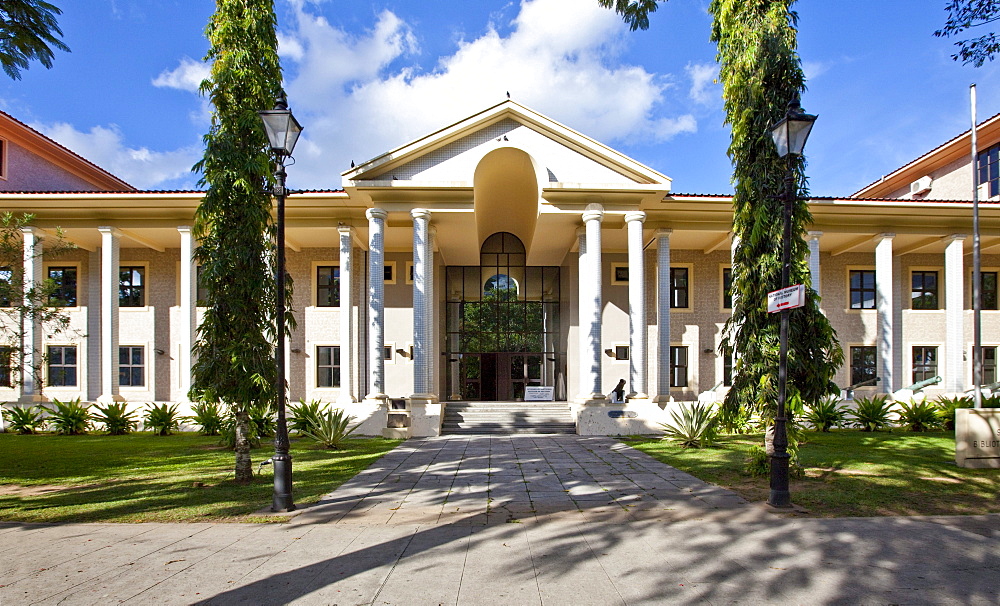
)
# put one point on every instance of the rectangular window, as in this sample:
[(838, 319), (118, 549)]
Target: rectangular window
[(621, 352), (863, 364), (989, 170), (678, 366), (988, 289), (679, 287), (387, 353), (862, 288), (6, 286), (989, 365), (328, 286), (132, 286), (65, 283), (62, 365), (6, 366), (389, 273), (728, 360), (619, 274), (924, 290), (328, 366), (924, 363), (131, 366), (727, 287)]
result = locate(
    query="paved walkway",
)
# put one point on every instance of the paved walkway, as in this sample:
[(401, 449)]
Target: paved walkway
[(512, 520)]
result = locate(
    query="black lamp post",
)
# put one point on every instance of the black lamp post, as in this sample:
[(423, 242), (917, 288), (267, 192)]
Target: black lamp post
[(282, 133), (789, 134)]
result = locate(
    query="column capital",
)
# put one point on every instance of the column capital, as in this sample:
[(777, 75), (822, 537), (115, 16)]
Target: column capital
[(376, 213), (593, 212), (345, 230), (107, 229), (664, 231), (420, 213), (814, 235), (955, 237), (639, 216), (885, 236), (184, 229)]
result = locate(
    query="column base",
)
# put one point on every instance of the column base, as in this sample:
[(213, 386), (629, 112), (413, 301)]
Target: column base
[(110, 399), (346, 399), (426, 415), (31, 398), (663, 399)]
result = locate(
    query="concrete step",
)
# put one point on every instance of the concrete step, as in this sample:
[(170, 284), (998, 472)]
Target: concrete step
[(500, 418)]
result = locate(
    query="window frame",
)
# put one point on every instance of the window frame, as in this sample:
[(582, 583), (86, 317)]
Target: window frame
[(996, 354), (939, 293), (141, 367), (615, 280), (689, 268), (982, 271), (49, 374), (853, 370), (316, 266), (989, 173), (336, 366), (143, 288), (913, 366), (6, 366), (851, 270), (723, 270), (391, 266), (686, 366), (627, 350), (47, 267)]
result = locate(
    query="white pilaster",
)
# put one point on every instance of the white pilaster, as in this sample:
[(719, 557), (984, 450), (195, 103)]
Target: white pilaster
[(663, 314), (347, 362), (109, 313), (32, 345), (431, 323), (636, 305), (884, 304), (376, 301), (814, 260), (188, 311), (954, 288), (421, 219), (590, 305)]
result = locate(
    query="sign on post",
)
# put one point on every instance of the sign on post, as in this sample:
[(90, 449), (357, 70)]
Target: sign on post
[(786, 298)]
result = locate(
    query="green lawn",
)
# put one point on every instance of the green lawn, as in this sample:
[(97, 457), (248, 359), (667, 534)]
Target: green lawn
[(145, 478), (852, 473)]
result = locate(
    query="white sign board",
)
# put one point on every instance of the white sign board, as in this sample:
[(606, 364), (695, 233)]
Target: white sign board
[(534, 393), (786, 298)]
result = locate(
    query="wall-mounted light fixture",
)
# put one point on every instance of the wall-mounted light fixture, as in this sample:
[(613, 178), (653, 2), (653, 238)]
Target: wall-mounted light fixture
[(609, 352), (295, 350), (403, 353), (159, 351)]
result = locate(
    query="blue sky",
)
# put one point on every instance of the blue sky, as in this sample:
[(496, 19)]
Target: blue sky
[(365, 77)]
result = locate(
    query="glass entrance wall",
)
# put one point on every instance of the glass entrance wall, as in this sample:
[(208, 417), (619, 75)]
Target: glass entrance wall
[(502, 324)]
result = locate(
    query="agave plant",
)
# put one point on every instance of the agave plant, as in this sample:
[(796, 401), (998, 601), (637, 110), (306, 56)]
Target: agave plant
[(826, 413), (116, 418), (208, 416), (306, 416), (69, 418), (693, 426), (946, 407), (25, 420), (163, 419), (332, 428), (919, 415), (873, 414)]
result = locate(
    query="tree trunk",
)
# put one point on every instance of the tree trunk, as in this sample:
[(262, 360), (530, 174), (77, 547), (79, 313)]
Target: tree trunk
[(244, 467)]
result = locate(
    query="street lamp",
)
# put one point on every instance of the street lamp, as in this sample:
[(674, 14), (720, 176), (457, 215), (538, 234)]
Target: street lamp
[(789, 134), (282, 133)]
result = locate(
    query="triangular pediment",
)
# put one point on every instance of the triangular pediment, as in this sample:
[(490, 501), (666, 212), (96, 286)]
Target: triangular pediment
[(451, 154)]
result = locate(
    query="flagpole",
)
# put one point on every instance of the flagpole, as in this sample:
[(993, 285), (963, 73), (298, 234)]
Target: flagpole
[(977, 348)]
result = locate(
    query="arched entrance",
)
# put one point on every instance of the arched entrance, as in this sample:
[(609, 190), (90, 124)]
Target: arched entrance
[(502, 325)]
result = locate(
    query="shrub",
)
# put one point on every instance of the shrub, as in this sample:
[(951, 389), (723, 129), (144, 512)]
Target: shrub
[(734, 421), (873, 414), (332, 430), (991, 401), (208, 416), (693, 426), (263, 421), (25, 420), (919, 415), (306, 416), (757, 463), (946, 407), (69, 418), (163, 419), (116, 418), (826, 414)]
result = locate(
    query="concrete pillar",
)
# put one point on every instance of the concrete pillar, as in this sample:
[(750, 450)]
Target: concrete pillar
[(431, 322), (347, 362), (109, 313), (636, 306), (590, 305), (421, 220), (376, 302), (954, 289), (814, 260), (188, 312), (32, 344), (884, 304), (663, 314)]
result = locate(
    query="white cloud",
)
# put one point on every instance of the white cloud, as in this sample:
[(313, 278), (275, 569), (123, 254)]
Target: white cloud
[(815, 69), (141, 167), (186, 76), (703, 86)]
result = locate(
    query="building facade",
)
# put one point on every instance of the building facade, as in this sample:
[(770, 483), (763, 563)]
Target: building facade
[(507, 252)]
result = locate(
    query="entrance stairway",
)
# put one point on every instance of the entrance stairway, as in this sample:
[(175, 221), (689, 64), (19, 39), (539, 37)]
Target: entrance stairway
[(508, 417)]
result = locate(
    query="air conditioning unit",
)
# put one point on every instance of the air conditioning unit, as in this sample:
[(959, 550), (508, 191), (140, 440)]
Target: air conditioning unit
[(920, 186)]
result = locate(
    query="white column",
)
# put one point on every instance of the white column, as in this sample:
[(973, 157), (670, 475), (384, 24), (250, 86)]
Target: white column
[(636, 305), (32, 344), (421, 220), (431, 322), (109, 313), (814, 260), (188, 311), (376, 298), (954, 289), (884, 304), (663, 314), (347, 362), (590, 304)]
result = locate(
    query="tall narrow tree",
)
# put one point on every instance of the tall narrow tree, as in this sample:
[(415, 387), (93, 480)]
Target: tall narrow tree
[(233, 224), (760, 73)]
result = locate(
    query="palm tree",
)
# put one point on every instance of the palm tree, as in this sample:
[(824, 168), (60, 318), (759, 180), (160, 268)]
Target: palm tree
[(27, 29)]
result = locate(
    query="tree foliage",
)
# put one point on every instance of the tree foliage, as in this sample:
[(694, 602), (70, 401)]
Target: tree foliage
[(233, 223), (28, 31), (760, 73), (964, 15)]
